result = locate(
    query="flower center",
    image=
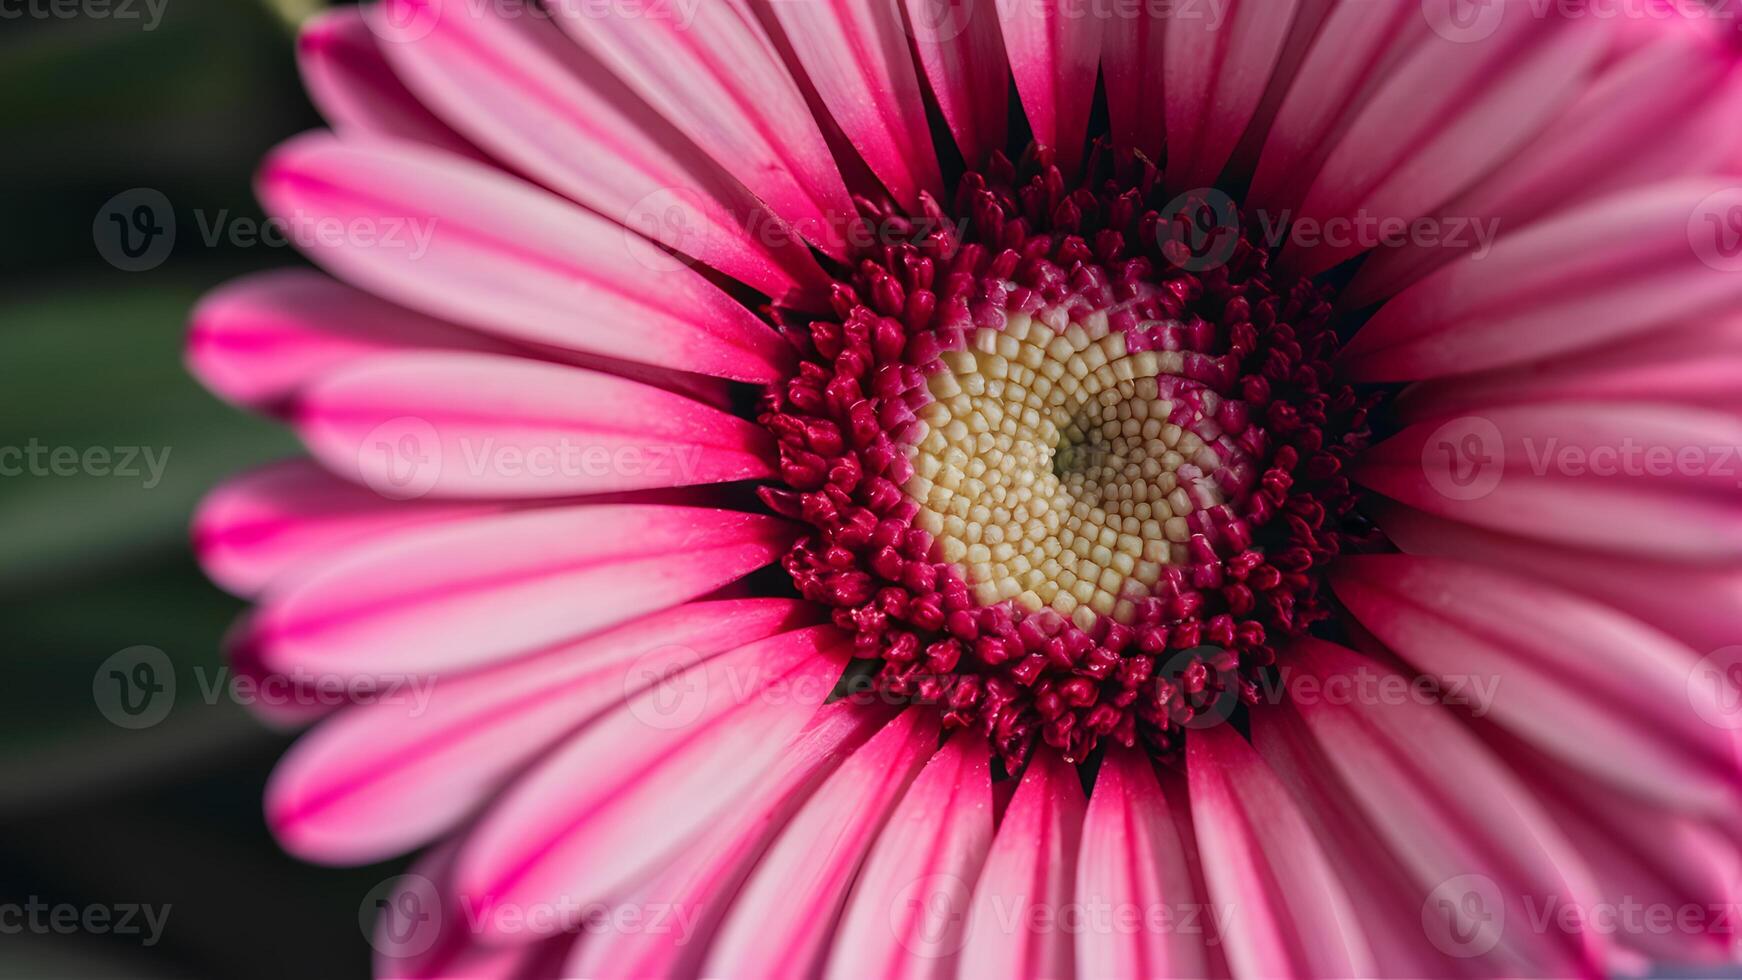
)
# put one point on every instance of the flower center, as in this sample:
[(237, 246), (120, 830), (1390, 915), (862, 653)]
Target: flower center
[(1067, 469), (1070, 477)]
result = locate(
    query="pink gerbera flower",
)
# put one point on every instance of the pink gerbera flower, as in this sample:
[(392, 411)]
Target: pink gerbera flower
[(880, 488)]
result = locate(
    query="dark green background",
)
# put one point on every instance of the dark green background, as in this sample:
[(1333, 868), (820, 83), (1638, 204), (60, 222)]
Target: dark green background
[(91, 813)]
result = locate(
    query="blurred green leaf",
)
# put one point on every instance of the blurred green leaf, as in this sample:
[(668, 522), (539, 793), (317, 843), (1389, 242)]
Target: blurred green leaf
[(101, 367)]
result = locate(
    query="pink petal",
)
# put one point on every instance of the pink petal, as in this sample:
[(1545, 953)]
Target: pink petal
[(855, 52), (711, 71), (1644, 861), (1617, 134), (1218, 62), (469, 244), (959, 46), (1448, 113), (1641, 479), (484, 426), (1054, 54), (781, 921), (1702, 605), (917, 882), (1014, 929), (385, 777), (1303, 33), (1454, 816), (256, 526), (1356, 48), (1134, 858), (602, 813), (1383, 893), (519, 87), (302, 705), (1284, 911), (1699, 364), (1133, 66), (444, 598), (700, 883), (1604, 270), (351, 83), (257, 340), (1588, 685), (421, 933)]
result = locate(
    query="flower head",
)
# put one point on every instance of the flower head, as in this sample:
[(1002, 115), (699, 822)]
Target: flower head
[(1006, 487)]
